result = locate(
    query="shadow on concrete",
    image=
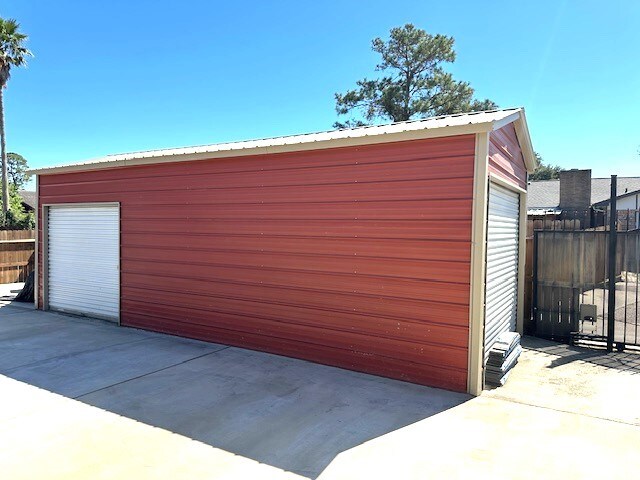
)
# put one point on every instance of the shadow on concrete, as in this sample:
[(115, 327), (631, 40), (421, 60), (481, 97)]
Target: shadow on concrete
[(626, 361), (283, 412), (8, 304)]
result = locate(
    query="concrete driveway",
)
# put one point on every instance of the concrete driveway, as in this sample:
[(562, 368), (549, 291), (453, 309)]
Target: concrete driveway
[(288, 415), (565, 413), (133, 404)]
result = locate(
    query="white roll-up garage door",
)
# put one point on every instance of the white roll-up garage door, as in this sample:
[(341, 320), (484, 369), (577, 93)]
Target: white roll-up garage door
[(84, 260), (502, 264)]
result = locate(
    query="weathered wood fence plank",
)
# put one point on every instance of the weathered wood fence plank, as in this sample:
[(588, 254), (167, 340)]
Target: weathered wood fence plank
[(17, 248)]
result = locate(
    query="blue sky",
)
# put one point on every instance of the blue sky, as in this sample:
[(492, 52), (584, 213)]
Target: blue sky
[(121, 76)]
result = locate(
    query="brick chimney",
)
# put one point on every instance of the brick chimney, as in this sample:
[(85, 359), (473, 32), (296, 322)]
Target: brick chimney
[(575, 189)]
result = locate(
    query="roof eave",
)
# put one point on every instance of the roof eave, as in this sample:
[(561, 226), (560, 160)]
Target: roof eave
[(345, 141), (522, 132)]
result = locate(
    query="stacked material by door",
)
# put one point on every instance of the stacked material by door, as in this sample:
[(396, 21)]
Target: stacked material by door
[(502, 358)]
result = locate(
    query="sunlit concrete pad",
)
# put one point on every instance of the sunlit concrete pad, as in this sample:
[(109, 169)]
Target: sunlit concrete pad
[(566, 412), (488, 438), (573, 379)]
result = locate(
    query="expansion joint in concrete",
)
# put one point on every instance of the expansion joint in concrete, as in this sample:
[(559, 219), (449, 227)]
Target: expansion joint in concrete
[(151, 373)]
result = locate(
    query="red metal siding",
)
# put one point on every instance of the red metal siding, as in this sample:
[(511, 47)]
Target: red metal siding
[(505, 156), (357, 257)]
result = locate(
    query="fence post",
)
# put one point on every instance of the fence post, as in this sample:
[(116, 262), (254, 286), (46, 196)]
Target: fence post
[(613, 239), (534, 300)]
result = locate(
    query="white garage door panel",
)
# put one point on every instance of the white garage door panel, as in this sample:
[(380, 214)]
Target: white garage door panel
[(502, 264), (84, 260)]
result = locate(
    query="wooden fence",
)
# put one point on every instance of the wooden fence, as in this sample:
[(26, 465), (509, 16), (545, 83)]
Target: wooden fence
[(626, 220), (573, 269), (17, 252), (554, 225)]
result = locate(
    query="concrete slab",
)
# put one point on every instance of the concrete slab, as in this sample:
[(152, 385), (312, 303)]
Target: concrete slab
[(578, 380), (489, 438), (81, 373), (565, 412), (33, 336), (290, 414), (9, 306), (54, 437)]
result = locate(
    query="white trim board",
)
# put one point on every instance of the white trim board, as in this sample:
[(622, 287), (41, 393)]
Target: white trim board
[(478, 265), (435, 127)]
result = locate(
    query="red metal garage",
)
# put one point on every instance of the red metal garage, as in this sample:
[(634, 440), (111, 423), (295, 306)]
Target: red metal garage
[(363, 248)]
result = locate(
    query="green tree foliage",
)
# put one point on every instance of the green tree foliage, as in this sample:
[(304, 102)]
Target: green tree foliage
[(413, 82), (17, 169), (13, 53), (16, 216), (545, 171)]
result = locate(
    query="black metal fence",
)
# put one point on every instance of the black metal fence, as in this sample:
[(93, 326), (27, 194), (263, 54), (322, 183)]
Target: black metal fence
[(586, 280), (574, 281)]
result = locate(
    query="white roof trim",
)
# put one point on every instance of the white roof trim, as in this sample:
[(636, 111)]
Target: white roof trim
[(522, 132), (449, 125)]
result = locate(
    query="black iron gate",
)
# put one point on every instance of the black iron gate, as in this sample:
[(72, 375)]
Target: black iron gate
[(586, 285), (572, 286)]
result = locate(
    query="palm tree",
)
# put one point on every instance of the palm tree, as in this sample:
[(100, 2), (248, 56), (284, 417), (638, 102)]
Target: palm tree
[(13, 53)]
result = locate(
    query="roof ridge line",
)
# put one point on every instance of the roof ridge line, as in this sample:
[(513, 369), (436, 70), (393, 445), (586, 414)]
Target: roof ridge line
[(432, 127), (320, 132)]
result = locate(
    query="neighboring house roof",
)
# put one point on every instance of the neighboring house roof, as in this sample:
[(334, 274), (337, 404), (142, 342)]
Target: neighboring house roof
[(601, 187), (545, 194), (626, 193), (29, 198), (447, 125)]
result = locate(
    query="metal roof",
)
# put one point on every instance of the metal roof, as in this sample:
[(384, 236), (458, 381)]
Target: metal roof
[(545, 194), (447, 125)]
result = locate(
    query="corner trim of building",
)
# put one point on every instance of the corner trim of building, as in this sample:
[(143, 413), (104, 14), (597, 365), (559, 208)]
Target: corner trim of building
[(36, 268), (44, 210), (522, 257), (478, 255)]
